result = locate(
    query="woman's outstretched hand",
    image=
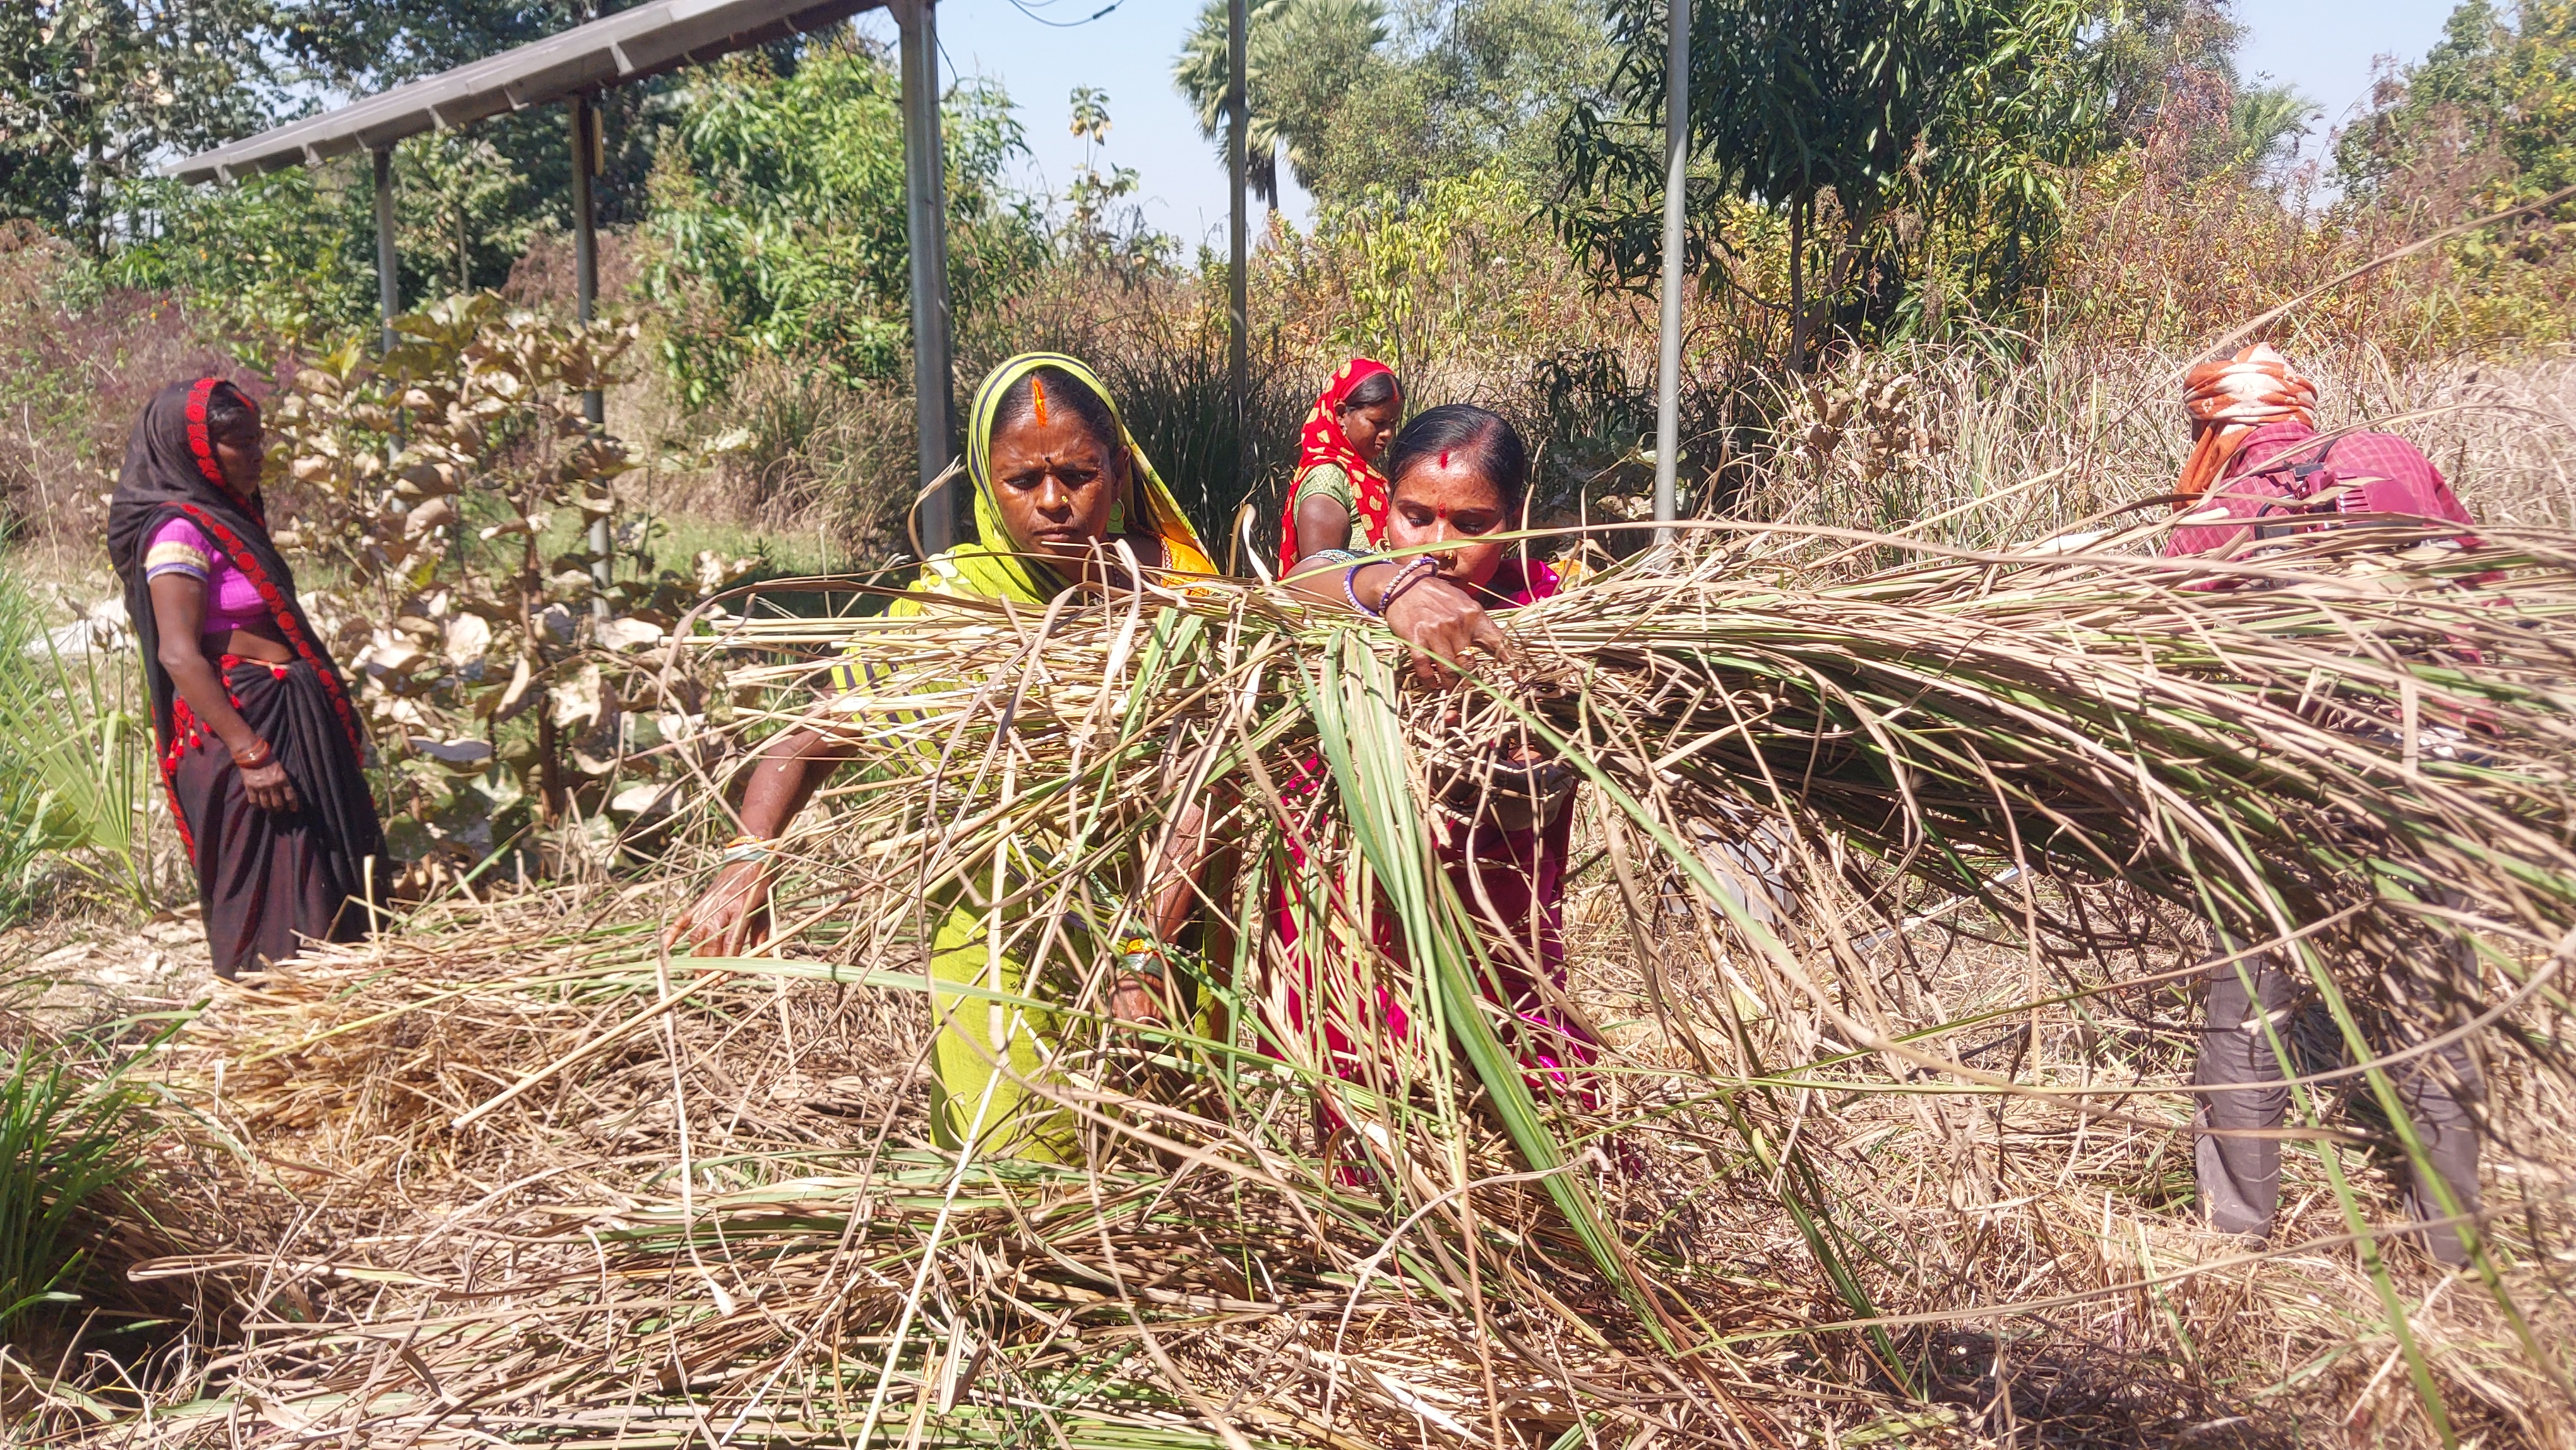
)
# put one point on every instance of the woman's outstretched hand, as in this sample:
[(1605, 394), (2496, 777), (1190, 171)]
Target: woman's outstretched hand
[(1443, 622), (731, 918)]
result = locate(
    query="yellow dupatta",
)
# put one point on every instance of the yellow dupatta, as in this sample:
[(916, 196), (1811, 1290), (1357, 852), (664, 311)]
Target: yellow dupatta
[(995, 567), (974, 1105)]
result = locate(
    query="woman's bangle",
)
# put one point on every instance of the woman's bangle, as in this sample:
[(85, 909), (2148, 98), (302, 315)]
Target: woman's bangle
[(255, 758), (1353, 595), (1413, 571), (750, 848)]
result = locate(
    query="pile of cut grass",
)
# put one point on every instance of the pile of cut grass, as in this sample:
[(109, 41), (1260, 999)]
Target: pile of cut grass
[(1890, 891)]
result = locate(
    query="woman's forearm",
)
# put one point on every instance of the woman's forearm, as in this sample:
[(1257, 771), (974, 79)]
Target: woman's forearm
[(197, 683), (1323, 583), (791, 769), (1175, 887), (1439, 618)]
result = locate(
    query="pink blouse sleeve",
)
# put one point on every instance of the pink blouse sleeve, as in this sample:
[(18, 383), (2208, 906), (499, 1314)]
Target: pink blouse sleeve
[(179, 547)]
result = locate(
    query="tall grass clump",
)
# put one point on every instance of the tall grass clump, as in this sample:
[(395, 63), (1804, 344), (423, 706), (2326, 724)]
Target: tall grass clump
[(28, 823), (76, 768), (795, 443), (73, 1140)]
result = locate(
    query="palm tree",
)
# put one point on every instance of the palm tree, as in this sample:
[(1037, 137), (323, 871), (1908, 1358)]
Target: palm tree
[(1300, 56), (2266, 122)]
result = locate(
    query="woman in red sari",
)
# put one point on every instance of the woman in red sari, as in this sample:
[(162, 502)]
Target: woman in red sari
[(262, 755), (1337, 484), (1458, 474)]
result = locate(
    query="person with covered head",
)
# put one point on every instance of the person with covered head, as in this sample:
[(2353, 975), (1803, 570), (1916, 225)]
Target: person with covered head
[(1337, 487), (2257, 460), (1063, 499), (258, 746), (1503, 825), (2260, 469)]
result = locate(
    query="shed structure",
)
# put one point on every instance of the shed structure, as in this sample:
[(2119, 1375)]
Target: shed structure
[(663, 35), (571, 68)]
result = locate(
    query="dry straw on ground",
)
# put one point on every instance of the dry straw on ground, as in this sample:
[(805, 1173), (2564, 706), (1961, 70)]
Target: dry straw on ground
[(1888, 899)]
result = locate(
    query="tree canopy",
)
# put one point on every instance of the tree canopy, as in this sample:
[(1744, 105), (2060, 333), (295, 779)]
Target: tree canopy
[(92, 91), (2495, 97), (779, 215), (1958, 117), (1301, 57), (1355, 94)]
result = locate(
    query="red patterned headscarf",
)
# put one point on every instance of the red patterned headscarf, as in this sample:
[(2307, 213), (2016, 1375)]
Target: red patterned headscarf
[(1322, 441), (2233, 398)]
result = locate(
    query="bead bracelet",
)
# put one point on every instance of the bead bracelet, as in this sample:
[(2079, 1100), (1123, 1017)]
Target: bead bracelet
[(1414, 571), (1353, 595)]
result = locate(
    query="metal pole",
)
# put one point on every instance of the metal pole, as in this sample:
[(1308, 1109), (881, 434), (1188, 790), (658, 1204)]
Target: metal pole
[(388, 261), (1238, 121), (926, 217), (585, 304), (1668, 342)]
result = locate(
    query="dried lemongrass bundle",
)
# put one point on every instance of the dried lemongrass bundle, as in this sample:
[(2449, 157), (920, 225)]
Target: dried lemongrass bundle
[(2057, 765)]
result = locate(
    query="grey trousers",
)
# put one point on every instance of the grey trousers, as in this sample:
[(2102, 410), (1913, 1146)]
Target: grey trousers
[(2240, 1178)]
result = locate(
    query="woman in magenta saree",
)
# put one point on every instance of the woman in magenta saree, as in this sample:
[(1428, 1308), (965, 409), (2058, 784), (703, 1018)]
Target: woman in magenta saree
[(1502, 832)]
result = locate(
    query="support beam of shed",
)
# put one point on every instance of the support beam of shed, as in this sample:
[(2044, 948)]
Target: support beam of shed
[(926, 215), (1668, 340), (585, 302), (388, 260), (1238, 246)]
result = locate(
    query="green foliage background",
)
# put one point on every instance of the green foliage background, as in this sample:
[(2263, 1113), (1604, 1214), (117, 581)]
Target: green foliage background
[(779, 217), (1486, 176)]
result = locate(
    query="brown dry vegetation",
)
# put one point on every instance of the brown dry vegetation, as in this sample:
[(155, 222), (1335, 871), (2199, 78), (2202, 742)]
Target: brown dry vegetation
[(506, 1256), (720, 1222), (706, 1232)]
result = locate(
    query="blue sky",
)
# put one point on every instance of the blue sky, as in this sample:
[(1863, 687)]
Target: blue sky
[(2324, 47), (1127, 53)]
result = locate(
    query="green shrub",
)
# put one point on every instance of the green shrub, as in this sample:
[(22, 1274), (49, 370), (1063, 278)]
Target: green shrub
[(285, 253), (799, 444), (75, 767), (778, 228), (71, 1148)]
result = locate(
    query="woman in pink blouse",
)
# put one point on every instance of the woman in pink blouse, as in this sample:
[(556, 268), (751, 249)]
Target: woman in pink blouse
[(259, 747)]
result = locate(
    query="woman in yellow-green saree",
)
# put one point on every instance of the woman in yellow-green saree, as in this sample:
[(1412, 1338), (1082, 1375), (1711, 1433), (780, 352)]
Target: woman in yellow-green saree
[(1056, 475)]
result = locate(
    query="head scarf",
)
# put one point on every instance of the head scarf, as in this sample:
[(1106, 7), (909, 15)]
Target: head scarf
[(2235, 397), (997, 568), (170, 471), (1323, 441)]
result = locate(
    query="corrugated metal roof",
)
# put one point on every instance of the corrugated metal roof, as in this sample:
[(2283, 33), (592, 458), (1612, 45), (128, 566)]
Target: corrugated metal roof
[(628, 45)]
